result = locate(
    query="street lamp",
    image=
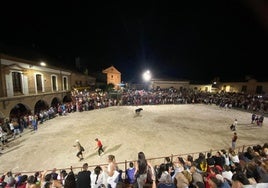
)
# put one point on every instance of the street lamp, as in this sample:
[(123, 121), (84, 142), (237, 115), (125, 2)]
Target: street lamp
[(43, 64), (147, 76)]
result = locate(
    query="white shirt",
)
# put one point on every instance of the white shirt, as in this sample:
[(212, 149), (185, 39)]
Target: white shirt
[(94, 183), (227, 174)]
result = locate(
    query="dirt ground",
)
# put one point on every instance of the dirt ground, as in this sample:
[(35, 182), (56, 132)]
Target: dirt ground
[(158, 131)]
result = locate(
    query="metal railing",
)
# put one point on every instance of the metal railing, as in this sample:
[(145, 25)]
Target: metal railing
[(123, 165)]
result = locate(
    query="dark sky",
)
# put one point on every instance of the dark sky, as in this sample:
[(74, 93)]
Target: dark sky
[(194, 40)]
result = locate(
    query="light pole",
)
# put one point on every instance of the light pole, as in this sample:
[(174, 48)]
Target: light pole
[(43, 64), (147, 78)]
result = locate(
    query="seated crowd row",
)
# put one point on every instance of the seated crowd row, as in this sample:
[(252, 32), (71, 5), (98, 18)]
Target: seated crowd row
[(224, 169)]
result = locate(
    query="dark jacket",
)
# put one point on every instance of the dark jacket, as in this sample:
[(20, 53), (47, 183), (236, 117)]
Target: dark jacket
[(83, 179)]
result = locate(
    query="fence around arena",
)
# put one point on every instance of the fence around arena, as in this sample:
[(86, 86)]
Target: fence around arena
[(123, 165)]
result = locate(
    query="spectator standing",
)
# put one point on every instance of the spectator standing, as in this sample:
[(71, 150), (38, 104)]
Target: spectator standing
[(32, 182), (197, 177), (234, 139), (11, 127), (83, 177), (141, 170), (183, 179), (130, 173), (70, 180), (227, 173), (112, 171), (163, 175), (219, 159), (226, 157), (35, 123), (3, 138), (260, 120), (97, 177), (16, 129), (253, 118), (178, 166), (256, 119), (234, 158), (200, 160), (41, 116), (63, 175)]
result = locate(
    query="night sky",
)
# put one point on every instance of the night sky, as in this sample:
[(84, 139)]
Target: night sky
[(193, 40)]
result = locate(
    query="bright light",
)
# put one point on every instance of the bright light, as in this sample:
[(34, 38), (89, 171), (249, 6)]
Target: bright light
[(147, 75), (43, 64)]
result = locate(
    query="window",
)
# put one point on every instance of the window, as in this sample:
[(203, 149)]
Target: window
[(54, 83), (64, 83), (17, 84), (39, 85)]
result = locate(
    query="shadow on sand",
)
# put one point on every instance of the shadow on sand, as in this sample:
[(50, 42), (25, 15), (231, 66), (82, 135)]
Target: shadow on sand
[(106, 151)]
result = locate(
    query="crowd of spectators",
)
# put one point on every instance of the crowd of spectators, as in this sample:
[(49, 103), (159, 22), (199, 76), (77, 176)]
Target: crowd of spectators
[(90, 100), (220, 169), (252, 167), (86, 100)]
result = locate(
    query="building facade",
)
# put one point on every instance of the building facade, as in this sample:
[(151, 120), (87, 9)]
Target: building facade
[(176, 84), (113, 76), (27, 86), (251, 86)]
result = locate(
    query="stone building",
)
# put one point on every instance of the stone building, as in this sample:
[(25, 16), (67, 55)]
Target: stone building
[(28, 86), (113, 76)]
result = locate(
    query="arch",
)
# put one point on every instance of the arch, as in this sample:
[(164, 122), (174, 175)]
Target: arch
[(2, 118), (19, 110), (55, 101), (40, 105), (67, 98)]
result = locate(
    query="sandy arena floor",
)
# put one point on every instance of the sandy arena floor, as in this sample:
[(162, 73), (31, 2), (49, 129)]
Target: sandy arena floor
[(158, 131)]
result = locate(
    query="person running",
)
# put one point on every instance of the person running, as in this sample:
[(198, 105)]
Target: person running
[(80, 150), (233, 126), (99, 146)]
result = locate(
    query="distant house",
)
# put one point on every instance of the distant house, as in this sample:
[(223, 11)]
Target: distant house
[(113, 76), (169, 83), (250, 86)]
